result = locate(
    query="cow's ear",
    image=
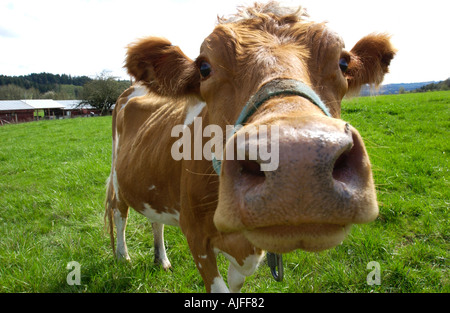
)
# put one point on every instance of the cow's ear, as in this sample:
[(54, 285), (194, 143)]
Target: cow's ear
[(162, 67), (369, 61)]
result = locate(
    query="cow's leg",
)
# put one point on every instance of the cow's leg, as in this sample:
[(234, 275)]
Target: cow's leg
[(235, 278), (207, 267), (120, 220), (243, 256), (244, 259), (205, 260), (160, 249), (237, 272), (116, 213)]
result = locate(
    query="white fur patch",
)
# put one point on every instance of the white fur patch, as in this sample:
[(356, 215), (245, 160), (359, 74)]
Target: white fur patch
[(114, 174), (235, 279), (158, 235), (138, 91), (193, 112), (161, 217), (121, 222), (219, 286), (116, 184), (251, 262)]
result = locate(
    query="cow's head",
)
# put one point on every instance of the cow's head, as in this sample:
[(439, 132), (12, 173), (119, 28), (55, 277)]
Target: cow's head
[(323, 183)]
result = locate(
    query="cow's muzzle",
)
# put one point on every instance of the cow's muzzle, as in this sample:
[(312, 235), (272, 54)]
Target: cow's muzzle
[(322, 184)]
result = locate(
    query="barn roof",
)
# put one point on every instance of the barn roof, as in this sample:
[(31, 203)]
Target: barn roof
[(44, 104), (14, 105)]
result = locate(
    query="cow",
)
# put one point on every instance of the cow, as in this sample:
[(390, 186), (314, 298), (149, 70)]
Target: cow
[(267, 68)]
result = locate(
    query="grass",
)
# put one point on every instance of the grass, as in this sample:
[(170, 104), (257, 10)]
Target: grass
[(52, 178)]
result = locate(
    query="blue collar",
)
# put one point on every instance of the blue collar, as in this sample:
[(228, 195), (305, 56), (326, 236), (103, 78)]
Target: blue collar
[(274, 88)]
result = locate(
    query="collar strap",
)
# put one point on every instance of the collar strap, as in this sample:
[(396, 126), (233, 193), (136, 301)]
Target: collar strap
[(279, 87), (274, 88)]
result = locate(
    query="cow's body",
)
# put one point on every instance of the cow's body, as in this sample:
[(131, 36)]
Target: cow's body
[(147, 178), (323, 183)]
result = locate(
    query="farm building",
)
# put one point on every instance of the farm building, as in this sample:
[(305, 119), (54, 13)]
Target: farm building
[(44, 108), (73, 108), (17, 111)]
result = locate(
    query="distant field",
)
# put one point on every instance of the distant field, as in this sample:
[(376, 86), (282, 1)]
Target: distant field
[(52, 187)]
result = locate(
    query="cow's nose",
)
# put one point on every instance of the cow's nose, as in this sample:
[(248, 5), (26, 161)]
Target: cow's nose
[(332, 151), (322, 166)]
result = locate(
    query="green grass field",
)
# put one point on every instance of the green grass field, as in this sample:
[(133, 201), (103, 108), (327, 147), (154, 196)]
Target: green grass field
[(52, 188)]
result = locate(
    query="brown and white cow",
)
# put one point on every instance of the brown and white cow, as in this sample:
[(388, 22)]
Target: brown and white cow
[(323, 182)]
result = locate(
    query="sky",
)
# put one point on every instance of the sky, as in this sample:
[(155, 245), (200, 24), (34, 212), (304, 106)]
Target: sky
[(87, 37)]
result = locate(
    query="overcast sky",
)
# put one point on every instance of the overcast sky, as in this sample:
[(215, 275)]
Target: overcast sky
[(85, 37)]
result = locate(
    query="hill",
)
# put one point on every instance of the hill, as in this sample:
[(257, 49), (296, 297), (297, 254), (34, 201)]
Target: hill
[(441, 86), (391, 89)]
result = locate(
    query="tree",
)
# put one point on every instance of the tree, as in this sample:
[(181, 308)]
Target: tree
[(102, 92), (14, 92)]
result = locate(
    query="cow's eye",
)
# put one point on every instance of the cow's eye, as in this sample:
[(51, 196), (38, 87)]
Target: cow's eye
[(343, 65), (205, 69)]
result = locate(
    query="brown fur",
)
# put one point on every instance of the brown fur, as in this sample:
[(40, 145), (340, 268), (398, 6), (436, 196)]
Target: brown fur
[(163, 68), (309, 202), (370, 60)]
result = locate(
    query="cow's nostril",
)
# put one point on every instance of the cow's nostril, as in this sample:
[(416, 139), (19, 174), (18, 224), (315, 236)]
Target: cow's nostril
[(342, 169), (251, 168), (350, 164)]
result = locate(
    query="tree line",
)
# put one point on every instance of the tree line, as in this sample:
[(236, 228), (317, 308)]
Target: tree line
[(101, 92), (440, 86), (43, 82)]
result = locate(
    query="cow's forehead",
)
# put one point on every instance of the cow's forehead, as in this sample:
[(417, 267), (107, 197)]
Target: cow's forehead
[(286, 24), (316, 40), (294, 17)]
